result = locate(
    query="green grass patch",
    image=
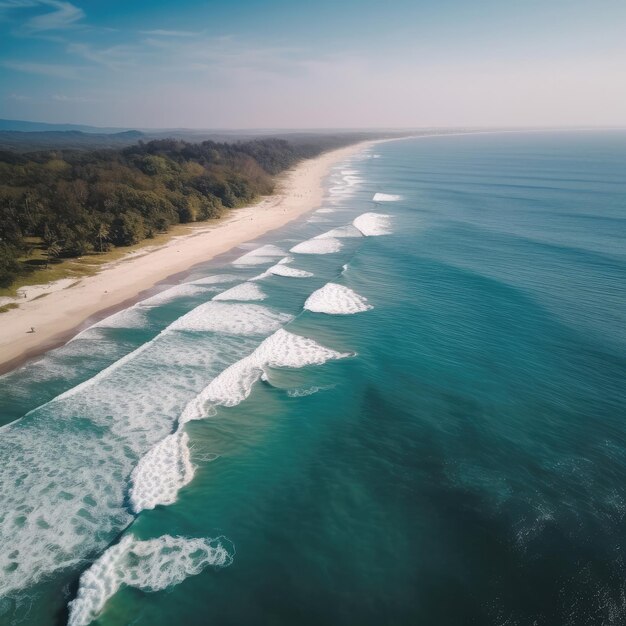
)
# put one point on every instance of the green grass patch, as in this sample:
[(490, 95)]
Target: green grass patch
[(35, 272)]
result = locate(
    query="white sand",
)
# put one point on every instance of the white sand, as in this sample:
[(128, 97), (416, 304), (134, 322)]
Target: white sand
[(63, 310)]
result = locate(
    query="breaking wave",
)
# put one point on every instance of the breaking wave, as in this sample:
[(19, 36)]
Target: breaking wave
[(232, 319), (316, 245), (245, 291), (264, 254), (161, 473), (336, 300), (178, 291), (150, 565), (289, 272), (373, 224), (234, 384)]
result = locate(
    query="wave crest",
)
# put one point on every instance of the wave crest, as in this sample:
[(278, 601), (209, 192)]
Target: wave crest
[(244, 291), (150, 565), (327, 245), (161, 473), (373, 224), (336, 299), (234, 384)]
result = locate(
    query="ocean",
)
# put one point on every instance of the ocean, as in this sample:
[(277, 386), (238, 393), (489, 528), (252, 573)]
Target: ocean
[(407, 407)]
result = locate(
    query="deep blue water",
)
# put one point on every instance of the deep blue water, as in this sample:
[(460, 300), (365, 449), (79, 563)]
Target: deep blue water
[(464, 462)]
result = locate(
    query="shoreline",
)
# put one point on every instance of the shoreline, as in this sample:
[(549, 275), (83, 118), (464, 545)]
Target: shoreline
[(63, 312)]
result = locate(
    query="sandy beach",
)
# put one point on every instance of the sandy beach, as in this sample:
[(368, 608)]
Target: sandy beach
[(59, 315)]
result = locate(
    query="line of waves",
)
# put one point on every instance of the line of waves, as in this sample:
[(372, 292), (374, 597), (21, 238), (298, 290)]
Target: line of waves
[(120, 424)]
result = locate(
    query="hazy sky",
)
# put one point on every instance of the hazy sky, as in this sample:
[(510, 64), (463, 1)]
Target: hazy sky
[(314, 63)]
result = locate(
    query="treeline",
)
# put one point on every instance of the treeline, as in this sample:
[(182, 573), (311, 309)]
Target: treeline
[(76, 202)]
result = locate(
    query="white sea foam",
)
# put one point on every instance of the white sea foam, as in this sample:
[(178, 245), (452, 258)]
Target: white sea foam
[(325, 211), (341, 232), (350, 177), (264, 254), (373, 224), (215, 280), (150, 565), (133, 317), (336, 300), (289, 272), (103, 373), (66, 467), (318, 246), (161, 473), (232, 319), (244, 291), (337, 190), (307, 391), (178, 291), (281, 269), (386, 197), (234, 384)]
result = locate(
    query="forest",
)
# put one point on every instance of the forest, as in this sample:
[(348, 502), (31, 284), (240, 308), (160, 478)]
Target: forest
[(68, 203)]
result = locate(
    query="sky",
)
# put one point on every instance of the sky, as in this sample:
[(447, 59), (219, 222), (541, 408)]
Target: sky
[(314, 63)]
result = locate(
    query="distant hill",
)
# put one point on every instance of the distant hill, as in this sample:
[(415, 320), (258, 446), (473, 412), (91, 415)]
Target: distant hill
[(29, 141), (25, 136), (28, 127)]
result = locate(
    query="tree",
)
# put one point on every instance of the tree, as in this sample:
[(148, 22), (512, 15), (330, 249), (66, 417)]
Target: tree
[(51, 242), (102, 234), (9, 265), (128, 229), (53, 250)]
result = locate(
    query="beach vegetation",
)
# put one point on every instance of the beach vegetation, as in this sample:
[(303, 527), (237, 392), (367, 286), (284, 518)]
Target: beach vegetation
[(70, 204)]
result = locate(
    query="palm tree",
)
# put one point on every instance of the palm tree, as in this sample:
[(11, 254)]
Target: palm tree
[(52, 251), (53, 248), (102, 233)]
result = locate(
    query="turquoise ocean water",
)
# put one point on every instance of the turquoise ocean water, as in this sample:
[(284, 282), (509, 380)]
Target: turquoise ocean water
[(439, 437)]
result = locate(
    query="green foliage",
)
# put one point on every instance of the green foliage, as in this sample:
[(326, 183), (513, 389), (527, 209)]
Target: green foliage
[(128, 228), (9, 266), (82, 201)]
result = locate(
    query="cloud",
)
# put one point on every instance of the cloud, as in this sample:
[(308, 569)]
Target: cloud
[(18, 97), (57, 15), (63, 15), (61, 97), (45, 69), (230, 57), (115, 57), (169, 33)]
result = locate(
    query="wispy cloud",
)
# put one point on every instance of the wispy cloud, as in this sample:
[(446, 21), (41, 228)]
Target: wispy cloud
[(170, 33), (114, 57), (230, 56), (61, 97), (56, 15), (63, 15), (45, 69), (18, 97)]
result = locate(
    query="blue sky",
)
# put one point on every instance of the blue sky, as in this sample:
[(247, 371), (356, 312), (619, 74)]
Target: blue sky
[(314, 64)]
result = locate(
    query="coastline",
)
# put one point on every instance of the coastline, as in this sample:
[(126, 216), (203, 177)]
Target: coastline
[(58, 316)]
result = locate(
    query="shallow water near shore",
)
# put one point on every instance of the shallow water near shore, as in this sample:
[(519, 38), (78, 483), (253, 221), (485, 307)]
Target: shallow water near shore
[(437, 437)]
